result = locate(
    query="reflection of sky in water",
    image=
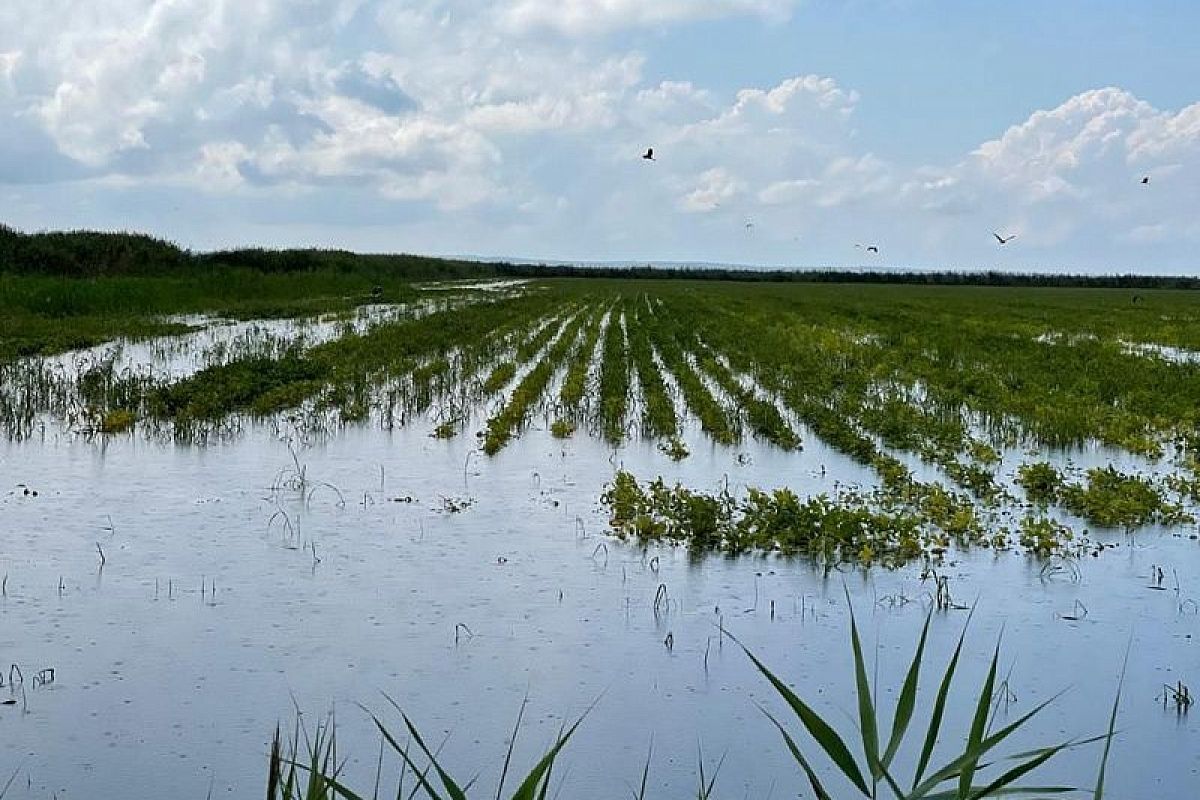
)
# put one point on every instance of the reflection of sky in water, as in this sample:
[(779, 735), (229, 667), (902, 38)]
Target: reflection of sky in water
[(163, 695)]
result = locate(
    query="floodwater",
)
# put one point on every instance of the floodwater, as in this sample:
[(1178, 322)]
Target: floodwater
[(459, 584)]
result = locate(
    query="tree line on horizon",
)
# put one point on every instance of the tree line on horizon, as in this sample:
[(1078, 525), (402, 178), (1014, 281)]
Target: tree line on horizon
[(97, 254)]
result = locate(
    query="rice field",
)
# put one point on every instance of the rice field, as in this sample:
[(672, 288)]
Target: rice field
[(497, 498)]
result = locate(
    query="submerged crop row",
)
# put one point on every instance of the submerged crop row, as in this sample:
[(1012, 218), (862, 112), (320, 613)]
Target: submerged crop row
[(986, 389)]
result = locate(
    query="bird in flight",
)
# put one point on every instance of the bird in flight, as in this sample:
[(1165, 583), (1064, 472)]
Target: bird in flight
[(1145, 180), (649, 154), (1004, 239), (870, 248)]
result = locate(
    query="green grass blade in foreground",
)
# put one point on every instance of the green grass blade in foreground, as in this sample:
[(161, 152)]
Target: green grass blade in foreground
[(512, 742), (955, 767), (1017, 772), (908, 699), (939, 707), (826, 737), (813, 780), (540, 774), (421, 775), (866, 707), (705, 789), (975, 737), (1098, 794)]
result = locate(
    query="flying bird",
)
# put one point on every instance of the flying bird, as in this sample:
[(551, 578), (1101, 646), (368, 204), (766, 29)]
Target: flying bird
[(870, 248), (1145, 180), (649, 154), (1004, 239)]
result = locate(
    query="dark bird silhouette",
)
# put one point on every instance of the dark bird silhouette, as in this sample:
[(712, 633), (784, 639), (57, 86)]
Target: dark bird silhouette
[(649, 154), (1145, 180), (870, 248), (1004, 239)]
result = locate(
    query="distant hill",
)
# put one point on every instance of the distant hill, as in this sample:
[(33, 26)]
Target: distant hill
[(93, 254)]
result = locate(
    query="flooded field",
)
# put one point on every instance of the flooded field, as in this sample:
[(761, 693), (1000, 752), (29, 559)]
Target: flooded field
[(575, 496)]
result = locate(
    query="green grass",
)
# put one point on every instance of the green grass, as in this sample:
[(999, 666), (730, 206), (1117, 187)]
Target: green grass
[(974, 768)]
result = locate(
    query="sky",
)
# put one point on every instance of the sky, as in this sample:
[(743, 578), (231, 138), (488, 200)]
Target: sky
[(786, 132)]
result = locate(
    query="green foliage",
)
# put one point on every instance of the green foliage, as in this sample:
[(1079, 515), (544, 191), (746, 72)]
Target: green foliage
[(257, 385), (960, 778), (117, 420), (1041, 482), (1113, 499), (310, 769), (501, 426), (499, 377), (614, 379), (1043, 536)]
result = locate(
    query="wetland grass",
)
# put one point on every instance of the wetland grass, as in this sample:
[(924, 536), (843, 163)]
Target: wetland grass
[(974, 769)]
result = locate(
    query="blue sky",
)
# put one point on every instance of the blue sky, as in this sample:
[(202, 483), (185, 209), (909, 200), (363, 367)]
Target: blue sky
[(788, 132)]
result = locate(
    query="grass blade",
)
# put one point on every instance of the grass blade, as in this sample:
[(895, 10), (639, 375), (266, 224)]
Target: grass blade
[(939, 708), (813, 781), (1016, 772), (955, 767), (866, 707), (512, 742), (528, 788), (1098, 794), (908, 699), (826, 737)]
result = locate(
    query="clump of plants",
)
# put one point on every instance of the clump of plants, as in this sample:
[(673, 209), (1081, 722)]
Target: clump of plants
[(674, 449), (1041, 482), (846, 528), (1044, 536), (1111, 499), (975, 771), (117, 420)]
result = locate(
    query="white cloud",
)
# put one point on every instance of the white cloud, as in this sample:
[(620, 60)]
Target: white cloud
[(1074, 171), (588, 17), (714, 186), (522, 115)]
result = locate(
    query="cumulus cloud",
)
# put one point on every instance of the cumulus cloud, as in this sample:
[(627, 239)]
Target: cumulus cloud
[(1075, 170), (585, 17), (714, 185), (527, 115)]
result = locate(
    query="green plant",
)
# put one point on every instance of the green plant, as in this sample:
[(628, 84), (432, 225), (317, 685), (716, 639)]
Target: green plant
[(960, 778), (317, 777)]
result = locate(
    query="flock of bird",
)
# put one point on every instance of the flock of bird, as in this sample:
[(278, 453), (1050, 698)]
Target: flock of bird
[(874, 248)]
